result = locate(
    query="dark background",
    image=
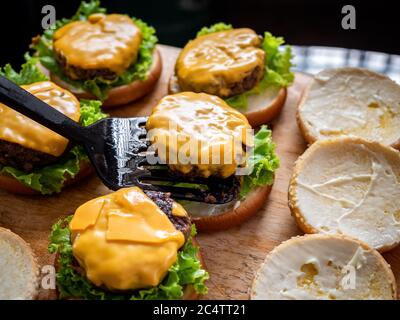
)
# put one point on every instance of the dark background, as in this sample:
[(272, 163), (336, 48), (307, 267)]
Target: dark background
[(301, 22)]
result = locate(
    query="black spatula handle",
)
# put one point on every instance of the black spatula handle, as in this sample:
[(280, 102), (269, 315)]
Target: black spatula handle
[(26, 103)]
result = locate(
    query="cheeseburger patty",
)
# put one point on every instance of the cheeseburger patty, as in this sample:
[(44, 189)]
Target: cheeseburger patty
[(24, 143), (224, 63), (164, 202), (204, 129), (75, 72), (243, 85), (14, 155), (103, 46)]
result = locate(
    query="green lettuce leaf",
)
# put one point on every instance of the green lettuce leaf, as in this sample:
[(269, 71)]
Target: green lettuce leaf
[(29, 72), (278, 62), (86, 9), (186, 271), (98, 86), (264, 162), (50, 179), (91, 112), (220, 26)]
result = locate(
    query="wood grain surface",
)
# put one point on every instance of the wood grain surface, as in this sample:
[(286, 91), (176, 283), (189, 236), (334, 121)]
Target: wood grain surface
[(233, 256)]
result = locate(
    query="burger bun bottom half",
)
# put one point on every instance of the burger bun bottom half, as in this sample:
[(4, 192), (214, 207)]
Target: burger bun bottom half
[(19, 278)]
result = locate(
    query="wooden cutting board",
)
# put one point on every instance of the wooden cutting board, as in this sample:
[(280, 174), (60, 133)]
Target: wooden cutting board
[(232, 256)]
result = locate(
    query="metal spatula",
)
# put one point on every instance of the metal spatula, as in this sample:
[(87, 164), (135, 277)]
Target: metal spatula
[(117, 149)]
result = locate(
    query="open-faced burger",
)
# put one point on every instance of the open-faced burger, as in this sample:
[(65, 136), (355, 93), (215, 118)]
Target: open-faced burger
[(34, 159), (95, 55), (200, 136), (128, 245)]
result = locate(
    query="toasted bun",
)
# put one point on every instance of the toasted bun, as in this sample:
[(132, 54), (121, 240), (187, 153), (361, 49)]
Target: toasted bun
[(351, 101), (19, 278), (332, 267), (188, 294), (210, 217), (349, 186), (265, 106), (262, 108), (123, 94), (12, 185)]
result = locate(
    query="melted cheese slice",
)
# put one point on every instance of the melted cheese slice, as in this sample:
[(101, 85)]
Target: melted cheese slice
[(178, 210), (323, 267), (102, 42), (350, 186), (352, 101), (229, 55), (197, 132), (124, 241), (16, 128)]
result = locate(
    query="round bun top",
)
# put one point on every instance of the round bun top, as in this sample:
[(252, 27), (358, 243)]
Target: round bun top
[(351, 101), (349, 186), (324, 267), (19, 277)]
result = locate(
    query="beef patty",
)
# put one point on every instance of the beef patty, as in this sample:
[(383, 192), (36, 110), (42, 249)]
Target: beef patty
[(74, 72), (17, 156), (164, 202), (226, 90), (247, 83)]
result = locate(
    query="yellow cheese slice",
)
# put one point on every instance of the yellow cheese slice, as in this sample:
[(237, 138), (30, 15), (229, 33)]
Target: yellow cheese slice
[(16, 128), (226, 56), (102, 42), (199, 133), (178, 210), (86, 215), (124, 241)]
